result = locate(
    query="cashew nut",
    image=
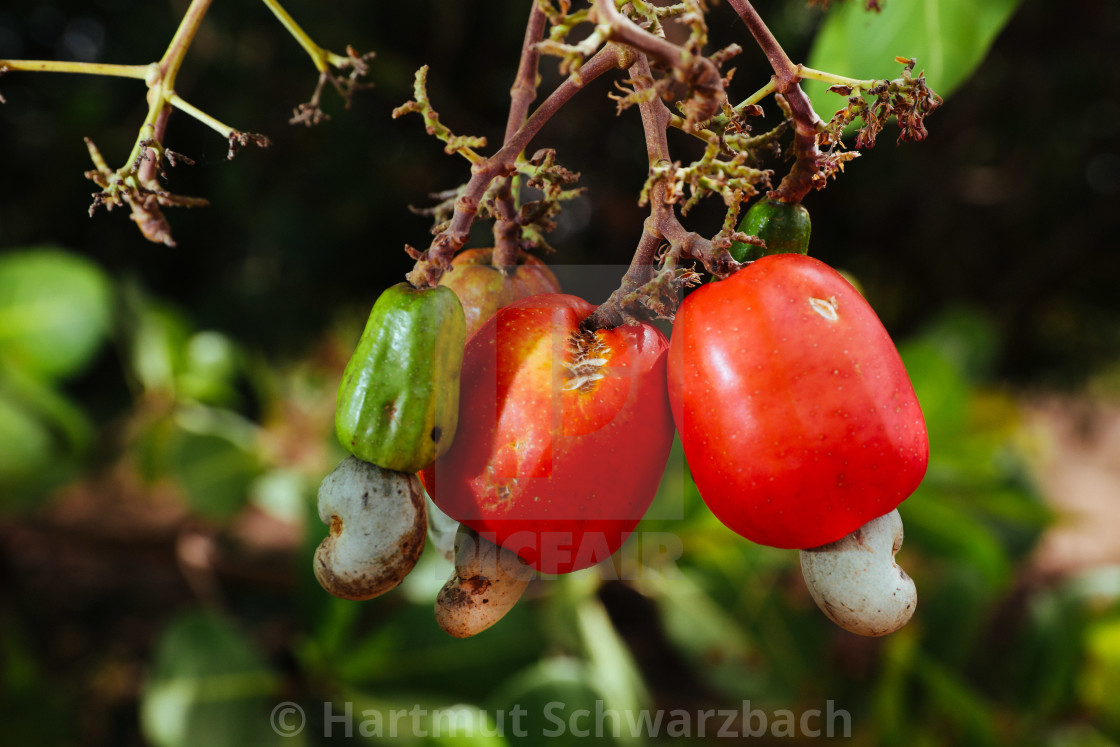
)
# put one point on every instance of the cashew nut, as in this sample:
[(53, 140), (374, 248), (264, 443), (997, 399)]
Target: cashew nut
[(856, 582), (487, 582), (378, 523)]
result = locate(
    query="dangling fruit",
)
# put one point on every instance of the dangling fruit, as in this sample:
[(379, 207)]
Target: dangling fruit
[(564, 434), (784, 226), (483, 288), (796, 414), (398, 403)]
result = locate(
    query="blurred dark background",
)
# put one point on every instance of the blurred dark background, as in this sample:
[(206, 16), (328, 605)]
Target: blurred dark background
[(163, 533)]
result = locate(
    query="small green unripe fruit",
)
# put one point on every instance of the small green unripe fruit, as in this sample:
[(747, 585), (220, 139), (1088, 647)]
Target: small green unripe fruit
[(398, 403), (784, 226)]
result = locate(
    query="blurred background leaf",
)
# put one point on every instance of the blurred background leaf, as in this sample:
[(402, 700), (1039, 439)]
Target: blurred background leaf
[(207, 685), (55, 310)]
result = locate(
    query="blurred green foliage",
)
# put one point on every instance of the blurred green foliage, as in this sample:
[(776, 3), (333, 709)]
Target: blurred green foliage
[(209, 373), (55, 309)]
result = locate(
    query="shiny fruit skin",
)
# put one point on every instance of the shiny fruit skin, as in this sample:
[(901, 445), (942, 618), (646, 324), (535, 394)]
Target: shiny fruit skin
[(398, 402), (784, 226), (797, 417), (483, 288), (549, 463)]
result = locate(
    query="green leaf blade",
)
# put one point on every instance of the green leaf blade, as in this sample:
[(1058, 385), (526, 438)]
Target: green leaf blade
[(55, 310), (949, 39)]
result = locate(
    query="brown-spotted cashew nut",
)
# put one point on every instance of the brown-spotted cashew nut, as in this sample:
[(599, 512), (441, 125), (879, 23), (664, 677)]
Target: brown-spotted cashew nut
[(378, 522), (487, 582), (856, 582)]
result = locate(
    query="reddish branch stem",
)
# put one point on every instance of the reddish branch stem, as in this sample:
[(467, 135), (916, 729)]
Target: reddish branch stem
[(523, 92), (432, 263), (507, 233), (662, 223), (699, 73), (787, 78), (148, 173)]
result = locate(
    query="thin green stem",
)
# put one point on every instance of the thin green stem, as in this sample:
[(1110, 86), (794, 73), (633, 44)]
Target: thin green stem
[(138, 72), (832, 79), (161, 83), (322, 58), (177, 49), (758, 95), (187, 108)]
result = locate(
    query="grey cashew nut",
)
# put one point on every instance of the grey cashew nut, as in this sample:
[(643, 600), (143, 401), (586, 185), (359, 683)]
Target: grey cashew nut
[(856, 582), (378, 522), (487, 582)]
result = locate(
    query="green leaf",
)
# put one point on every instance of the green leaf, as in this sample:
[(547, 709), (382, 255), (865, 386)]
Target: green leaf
[(208, 685), (1100, 679), (967, 337), (27, 443), (215, 472), (214, 460), (954, 532), (610, 662), (210, 369), (411, 719), (556, 698), (407, 651), (941, 390), (44, 436), (704, 633), (949, 39), (158, 340), (55, 310), (1051, 640), (893, 719), (954, 701)]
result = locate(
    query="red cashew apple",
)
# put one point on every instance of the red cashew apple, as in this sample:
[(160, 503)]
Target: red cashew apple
[(563, 434), (797, 417)]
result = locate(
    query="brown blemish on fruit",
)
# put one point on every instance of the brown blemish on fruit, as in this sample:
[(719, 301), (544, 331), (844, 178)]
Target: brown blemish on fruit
[(588, 355)]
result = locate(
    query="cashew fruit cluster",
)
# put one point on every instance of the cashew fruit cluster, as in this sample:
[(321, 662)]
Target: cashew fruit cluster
[(397, 410), (798, 421)]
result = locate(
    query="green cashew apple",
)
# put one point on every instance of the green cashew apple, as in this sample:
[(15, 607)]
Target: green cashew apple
[(784, 226), (398, 403)]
